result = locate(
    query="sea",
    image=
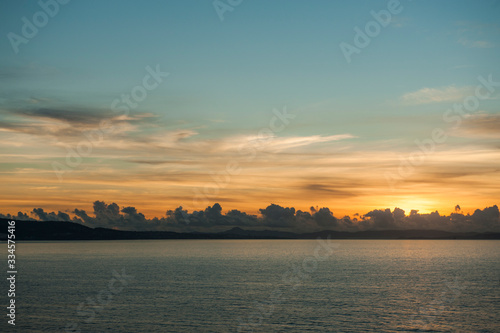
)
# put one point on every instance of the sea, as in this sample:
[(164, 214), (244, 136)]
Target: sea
[(319, 285)]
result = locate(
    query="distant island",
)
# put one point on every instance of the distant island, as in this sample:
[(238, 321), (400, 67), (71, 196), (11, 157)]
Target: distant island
[(57, 230)]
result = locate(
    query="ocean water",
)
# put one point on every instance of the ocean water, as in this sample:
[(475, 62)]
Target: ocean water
[(257, 286)]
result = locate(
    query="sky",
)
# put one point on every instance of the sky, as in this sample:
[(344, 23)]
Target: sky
[(351, 105)]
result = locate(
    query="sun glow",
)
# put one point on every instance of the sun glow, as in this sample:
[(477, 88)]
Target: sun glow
[(424, 206)]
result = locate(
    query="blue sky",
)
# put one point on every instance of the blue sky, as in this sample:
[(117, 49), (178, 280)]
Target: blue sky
[(227, 76)]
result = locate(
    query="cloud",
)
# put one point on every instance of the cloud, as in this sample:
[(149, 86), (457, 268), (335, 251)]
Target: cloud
[(73, 117), (137, 133), (484, 220), (437, 95), (332, 190), (478, 44), (485, 125), (277, 216), (20, 216), (43, 216), (57, 127), (324, 218), (293, 142), (399, 21), (273, 217), (475, 35), (382, 219), (275, 143)]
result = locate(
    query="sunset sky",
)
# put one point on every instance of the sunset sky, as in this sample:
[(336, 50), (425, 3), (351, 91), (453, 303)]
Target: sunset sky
[(261, 107)]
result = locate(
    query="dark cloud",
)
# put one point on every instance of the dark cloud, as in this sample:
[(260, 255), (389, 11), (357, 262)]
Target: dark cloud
[(482, 125), (488, 218), (273, 217), (382, 219), (324, 217), (133, 219), (43, 216), (107, 214), (72, 116), (337, 189), (20, 216), (82, 217), (68, 122), (481, 221), (60, 123), (277, 216), (22, 128), (235, 217)]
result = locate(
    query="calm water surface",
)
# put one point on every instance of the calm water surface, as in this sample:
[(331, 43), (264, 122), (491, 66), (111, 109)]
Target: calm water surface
[(257, 285)]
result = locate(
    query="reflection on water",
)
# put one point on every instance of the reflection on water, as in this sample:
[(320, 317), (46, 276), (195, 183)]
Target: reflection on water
[(259, 285)]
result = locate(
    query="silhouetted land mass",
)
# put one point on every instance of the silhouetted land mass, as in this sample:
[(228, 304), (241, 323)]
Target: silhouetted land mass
[(56, 230)]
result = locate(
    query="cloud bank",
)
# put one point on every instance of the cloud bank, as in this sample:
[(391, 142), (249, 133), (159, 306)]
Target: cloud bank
[(273, 217)]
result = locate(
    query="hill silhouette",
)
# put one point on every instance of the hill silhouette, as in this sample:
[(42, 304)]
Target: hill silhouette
[(57, 230)]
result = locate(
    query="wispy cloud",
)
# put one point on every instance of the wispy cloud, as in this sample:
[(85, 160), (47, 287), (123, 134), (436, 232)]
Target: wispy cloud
[(436, 95), (274, 143), (483, 125), (137, 136), (67, 124), (475, 35), (400, 22), (74, 117), (482, 44)]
